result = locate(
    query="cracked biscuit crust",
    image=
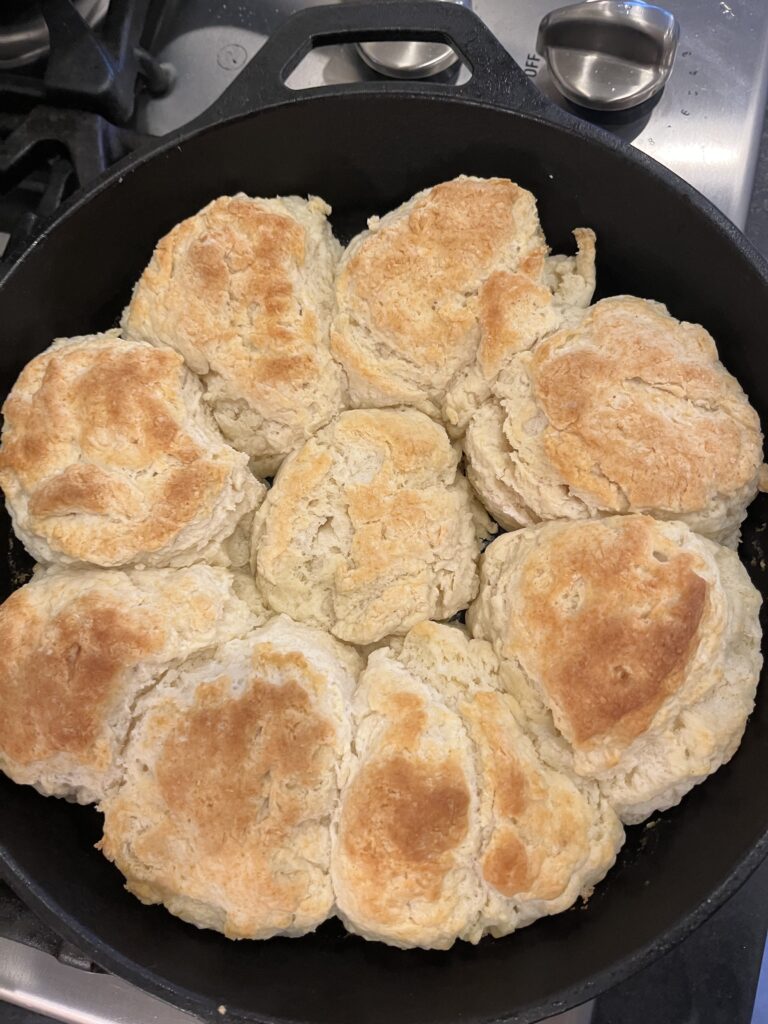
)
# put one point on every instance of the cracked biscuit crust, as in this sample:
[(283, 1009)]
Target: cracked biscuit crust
[(231, 777), (109, 457), (434, 298), (244, 291), (633, 646), (451, 826), (628, 411), (370, 528), (79, 647)]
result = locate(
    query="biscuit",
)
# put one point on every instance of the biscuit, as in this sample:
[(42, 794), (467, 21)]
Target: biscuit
[(451, 826), (629, 410), (434, 298), (231, 777), (109, 457), (80, 646), (633, 647), (370, 528), (244, 291)]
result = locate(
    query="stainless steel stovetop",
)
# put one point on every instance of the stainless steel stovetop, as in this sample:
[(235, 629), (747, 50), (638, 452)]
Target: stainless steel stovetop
[(706, 126)]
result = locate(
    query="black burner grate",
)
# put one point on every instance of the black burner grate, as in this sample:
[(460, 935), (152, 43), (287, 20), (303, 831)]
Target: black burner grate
[(62, 123)]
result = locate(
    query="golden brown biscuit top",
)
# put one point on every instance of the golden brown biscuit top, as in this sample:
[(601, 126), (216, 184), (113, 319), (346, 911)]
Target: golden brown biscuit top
[(410, 446), (513, 308), (222, 288), (233, 766), (62, 671), (539, 834), (234, 809), (103, 452), (115, 402), (415, 281), (641, 414), (507, 864), (609, 616), (406, 814), (405, 818)]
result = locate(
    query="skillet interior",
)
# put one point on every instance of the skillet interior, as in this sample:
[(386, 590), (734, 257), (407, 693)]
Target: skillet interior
[(365, 154)]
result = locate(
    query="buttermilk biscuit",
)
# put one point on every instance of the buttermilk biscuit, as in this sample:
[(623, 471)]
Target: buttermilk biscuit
[(80, 645), (435, 297), (633, 647), (451, 826), (109, 457), (369, 528), (407, 837), (244, 291), (628, 411), (231, 778)]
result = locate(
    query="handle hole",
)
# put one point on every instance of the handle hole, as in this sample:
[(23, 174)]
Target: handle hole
[(342, 64)]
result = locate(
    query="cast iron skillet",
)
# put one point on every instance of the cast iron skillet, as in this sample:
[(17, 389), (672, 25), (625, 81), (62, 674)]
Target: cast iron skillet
[(366, 148)]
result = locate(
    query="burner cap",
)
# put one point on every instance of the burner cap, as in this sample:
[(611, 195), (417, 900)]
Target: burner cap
[(24, 33)]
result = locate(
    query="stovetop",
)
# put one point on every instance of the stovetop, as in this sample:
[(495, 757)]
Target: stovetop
[(180, 55), (706, 125), (158, 63)]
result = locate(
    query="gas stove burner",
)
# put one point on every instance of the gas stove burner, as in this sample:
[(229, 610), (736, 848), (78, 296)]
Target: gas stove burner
[(65, 121), (24, 32)]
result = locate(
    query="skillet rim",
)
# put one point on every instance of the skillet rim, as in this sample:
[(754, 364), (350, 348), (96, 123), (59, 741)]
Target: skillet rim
[(145, 977)]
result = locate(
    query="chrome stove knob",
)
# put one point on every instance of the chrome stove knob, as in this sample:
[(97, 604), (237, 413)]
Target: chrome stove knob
[(609, 54), (409, 59)]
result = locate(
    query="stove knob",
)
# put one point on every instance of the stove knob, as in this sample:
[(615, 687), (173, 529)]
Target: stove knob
[(607, 54), (409, 59)]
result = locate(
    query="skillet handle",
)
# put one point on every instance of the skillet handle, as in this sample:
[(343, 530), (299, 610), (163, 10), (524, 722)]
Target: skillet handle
[(496, 78)]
